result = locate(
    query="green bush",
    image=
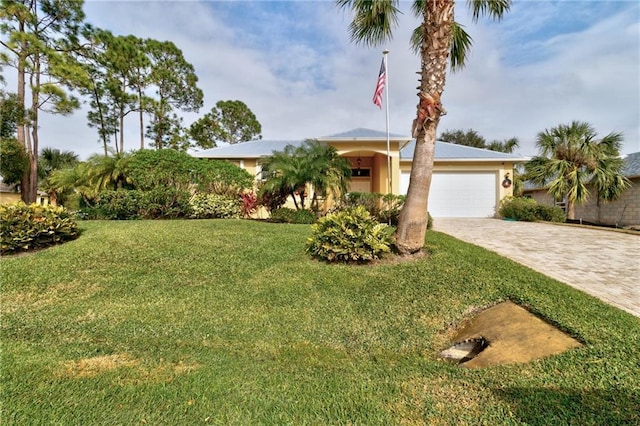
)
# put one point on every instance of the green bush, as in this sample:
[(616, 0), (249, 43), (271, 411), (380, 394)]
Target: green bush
[(27, 227), (287, 215), (158, 203), (350, 235), (384, 207), (527, 210), (149, 169), (550, 213), (213, 206)]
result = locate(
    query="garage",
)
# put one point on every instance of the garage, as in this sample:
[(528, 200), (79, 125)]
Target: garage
[(460, 194)]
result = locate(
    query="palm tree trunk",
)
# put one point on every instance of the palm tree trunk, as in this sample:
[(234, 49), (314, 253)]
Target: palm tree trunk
[(436, 27), (412, 223)]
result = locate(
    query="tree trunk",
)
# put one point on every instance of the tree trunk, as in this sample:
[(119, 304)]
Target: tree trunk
[(436, 27), (571, 209), (412, 223)]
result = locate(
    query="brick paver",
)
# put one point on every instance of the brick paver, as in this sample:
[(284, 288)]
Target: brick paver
[(603, 263)]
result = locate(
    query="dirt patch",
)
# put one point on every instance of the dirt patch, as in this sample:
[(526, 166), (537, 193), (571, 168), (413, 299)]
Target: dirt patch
[(91, 367), (514, 335)]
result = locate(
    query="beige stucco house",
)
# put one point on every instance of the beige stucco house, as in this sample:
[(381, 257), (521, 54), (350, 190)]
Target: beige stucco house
[(624, 212), (467, 182)]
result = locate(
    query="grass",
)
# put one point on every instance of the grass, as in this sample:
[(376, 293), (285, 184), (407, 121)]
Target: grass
[(229, 322)]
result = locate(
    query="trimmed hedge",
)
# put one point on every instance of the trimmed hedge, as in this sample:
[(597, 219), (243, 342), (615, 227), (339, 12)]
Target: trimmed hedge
[(28, 227), (158, 203), (287, 215), (351, 236)]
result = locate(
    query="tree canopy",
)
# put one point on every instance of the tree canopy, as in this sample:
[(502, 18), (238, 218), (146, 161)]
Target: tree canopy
[(229, 121)]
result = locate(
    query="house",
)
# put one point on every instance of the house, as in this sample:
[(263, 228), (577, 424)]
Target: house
[(467, 182), (8, 193), (625, 211)]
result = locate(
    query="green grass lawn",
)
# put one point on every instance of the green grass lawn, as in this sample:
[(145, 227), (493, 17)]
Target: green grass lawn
[(229, 322)]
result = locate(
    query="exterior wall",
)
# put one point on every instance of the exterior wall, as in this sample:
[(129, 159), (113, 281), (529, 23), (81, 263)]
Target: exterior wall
[(9, 197), (625, 211)]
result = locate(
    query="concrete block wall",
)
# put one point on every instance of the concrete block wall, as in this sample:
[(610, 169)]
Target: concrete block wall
[(625, 211)]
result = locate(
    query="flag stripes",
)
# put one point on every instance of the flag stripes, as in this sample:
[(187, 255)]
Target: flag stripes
[(382, 77)]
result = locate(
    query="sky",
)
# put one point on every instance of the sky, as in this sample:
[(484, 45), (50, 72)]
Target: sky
[(294, 65)]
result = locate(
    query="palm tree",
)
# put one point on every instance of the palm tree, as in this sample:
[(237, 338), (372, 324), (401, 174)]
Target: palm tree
[(108, 171), (311, 164), (51, 160), (571, 157), (436, 39), (507, 145)]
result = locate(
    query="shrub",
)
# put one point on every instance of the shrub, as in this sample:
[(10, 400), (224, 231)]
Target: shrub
[(27, 227), (272, 199), (249, 203), (149, 169), (550, 213), (214, 206), (164, 203), (518, 208), (384, 207), (350, 235), (158, 203), (526, 209), (287, 215)]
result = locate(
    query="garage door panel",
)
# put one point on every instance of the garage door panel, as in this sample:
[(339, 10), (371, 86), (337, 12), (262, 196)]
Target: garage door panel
[(460, 194)]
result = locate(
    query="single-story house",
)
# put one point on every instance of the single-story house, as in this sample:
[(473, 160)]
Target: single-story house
[(625, 211), (467, 182)]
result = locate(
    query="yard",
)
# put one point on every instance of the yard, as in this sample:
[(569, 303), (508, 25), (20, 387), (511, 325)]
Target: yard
[(229, 322)]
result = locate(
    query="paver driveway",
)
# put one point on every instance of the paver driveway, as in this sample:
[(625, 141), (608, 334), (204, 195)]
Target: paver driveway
[(605, 264)]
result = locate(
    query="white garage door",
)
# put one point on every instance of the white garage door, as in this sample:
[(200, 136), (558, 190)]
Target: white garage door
[(459, 194)]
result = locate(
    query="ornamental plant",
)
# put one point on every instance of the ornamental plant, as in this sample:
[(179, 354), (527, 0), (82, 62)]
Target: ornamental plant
[(351, 235), (28, 227)]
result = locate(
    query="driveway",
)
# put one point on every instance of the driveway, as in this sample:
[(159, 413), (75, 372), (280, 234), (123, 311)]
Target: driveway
[(604, 264)]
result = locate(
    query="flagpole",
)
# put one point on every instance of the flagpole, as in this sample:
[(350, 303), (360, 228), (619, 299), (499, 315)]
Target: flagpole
[(385, 52)]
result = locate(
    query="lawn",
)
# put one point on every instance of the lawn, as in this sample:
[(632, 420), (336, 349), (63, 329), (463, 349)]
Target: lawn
[(229, 322)]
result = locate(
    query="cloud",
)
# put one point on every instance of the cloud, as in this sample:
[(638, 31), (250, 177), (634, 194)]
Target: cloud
[(294, 65)]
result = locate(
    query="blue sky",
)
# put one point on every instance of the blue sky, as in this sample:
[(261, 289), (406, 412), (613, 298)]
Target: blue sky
[(293, 64)]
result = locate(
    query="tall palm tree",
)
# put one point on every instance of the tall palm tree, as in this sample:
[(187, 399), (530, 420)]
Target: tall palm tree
[(438, 39), (572, 157)]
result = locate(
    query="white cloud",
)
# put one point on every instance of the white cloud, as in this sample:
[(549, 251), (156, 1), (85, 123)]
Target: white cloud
[(302, 76)]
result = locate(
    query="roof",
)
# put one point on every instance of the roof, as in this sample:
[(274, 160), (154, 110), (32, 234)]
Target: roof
[(251, 149), (364, 134), (455, 152), (631, 165), (444, 150)]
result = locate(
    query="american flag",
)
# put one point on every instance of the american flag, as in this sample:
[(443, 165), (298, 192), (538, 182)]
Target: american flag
[(377, 96)]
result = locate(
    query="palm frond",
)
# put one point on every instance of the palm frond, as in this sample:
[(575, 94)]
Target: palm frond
[(373, 21), (494, 9)]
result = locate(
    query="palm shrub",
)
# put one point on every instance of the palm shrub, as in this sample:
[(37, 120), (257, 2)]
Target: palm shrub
[(350, 235), (27, 227)]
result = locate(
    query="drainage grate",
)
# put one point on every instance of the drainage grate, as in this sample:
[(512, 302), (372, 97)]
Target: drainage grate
[(464, 351)]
